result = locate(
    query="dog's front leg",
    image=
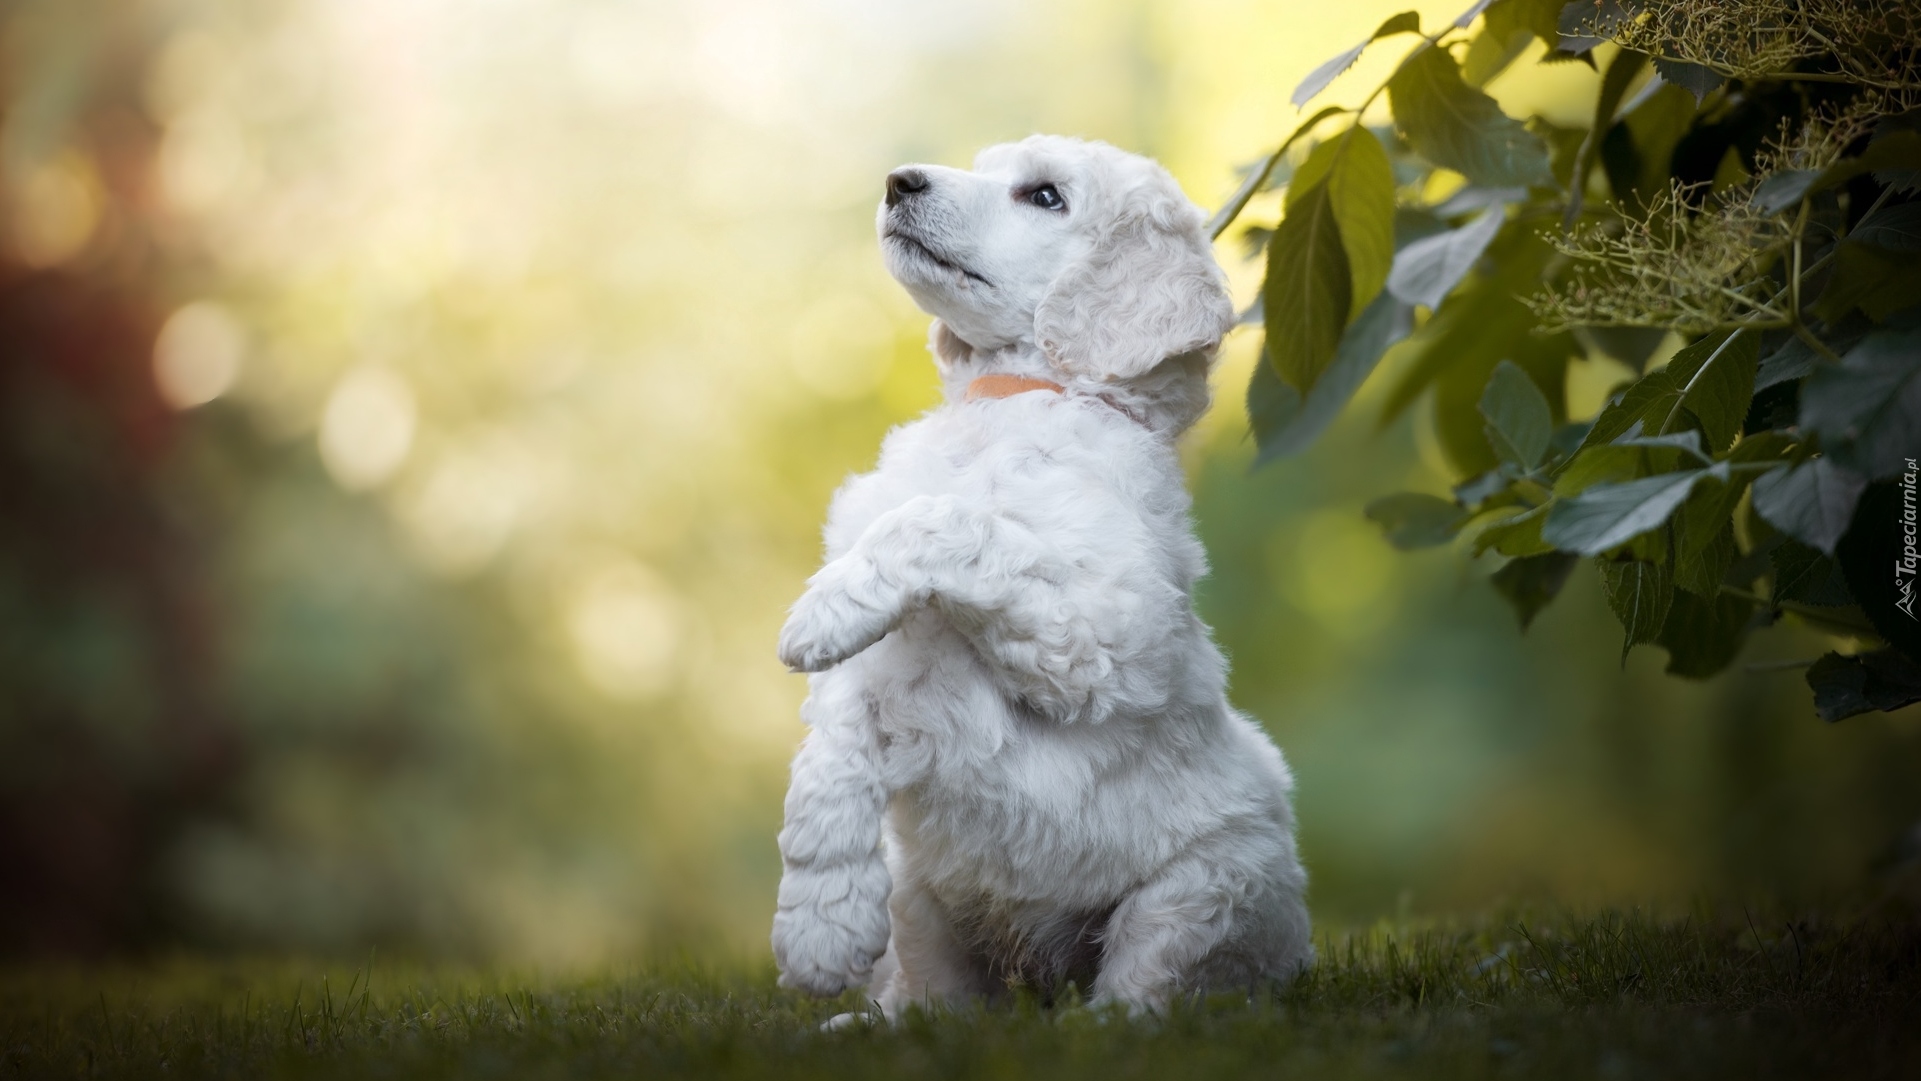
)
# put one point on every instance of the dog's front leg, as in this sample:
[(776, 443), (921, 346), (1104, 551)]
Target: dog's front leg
[(831, 923), (897, 564), (1026, 607)]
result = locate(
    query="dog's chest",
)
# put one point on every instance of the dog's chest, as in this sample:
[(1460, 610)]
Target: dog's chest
[(999, 801), (1026, 460)]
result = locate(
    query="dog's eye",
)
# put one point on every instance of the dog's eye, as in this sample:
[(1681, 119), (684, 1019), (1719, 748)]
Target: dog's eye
[(1047, 197)]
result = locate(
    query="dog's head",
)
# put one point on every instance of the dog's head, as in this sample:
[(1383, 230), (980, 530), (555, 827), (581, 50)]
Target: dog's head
[(1089, 253)]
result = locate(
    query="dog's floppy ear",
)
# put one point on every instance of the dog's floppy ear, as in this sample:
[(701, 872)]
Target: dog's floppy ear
[(1150, 290), (947, 347)]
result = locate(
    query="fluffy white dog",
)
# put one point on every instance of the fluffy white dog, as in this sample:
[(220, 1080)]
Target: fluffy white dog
[(1023, 763)]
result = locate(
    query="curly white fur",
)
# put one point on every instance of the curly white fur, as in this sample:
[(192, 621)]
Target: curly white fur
[(1022, 764)]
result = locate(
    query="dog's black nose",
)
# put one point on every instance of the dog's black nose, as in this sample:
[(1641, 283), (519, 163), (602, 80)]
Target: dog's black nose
[(902, 183)]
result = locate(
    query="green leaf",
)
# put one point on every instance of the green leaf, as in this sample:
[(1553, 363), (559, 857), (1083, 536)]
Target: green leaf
[(1784, 189), (1490, 53), (1871, 402), (1519, 420), (1427, 270), (1360, 182), (1456, 126), (1611, 463), (1407, 22), (1283, 421), (1804, 575), (1898, 151), (1706, 513), (1415, 520), (1703, 634), (1689, 358), (1901, 150), (1813, 502), (1704, 567), (1531, 582), (1481, 323), (1563, 146), (1895, 228), (1538, 17), (1639, 594), (1790, 362), (1607, 516), (1653, 395), (1459, 425), (1877, 280), (1257, 178), (1761, 447), (1308, 290), (1706, 516), (1905, 181), (1846, 686), (1687, 441), (1717, 381), (1273, 407), (1697, 79), (1608, 463), (1718, 400), (1489, 490), (1753, 563), (1517, 536), (1621, 72)]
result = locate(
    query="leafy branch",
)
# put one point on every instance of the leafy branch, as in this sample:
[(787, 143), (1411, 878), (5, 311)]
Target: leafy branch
[(1859, 43), (1768, 221)]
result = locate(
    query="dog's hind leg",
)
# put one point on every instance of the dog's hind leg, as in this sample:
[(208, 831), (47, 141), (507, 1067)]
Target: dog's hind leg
[(934, 967), (1225, 914), (832, 922)]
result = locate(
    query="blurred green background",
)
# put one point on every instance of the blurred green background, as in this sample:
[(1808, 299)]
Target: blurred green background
[(416, 415)]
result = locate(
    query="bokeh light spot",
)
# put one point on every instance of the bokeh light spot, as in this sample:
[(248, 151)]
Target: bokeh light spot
[(56, 210), (626, 628), (203, 160), (1339, 570), (197, 356), (367, 428), (468, 505)]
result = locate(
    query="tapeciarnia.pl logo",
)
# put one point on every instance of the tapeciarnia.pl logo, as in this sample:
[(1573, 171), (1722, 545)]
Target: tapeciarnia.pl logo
[(1905, 567)]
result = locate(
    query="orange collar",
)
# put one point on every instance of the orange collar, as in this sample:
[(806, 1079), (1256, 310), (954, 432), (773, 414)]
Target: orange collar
[(1002, 385)]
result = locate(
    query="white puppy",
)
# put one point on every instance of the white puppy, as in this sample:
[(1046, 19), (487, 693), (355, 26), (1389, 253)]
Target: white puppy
[(1023, 763)]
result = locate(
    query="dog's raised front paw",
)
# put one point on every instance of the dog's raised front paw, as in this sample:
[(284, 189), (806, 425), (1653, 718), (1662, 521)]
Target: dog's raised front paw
[(825, 628)]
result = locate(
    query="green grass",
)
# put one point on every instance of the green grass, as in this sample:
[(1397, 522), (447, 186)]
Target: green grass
[(1613, 996)]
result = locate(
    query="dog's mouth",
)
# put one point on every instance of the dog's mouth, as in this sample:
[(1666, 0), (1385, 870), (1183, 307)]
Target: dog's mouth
[(920, 248)]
